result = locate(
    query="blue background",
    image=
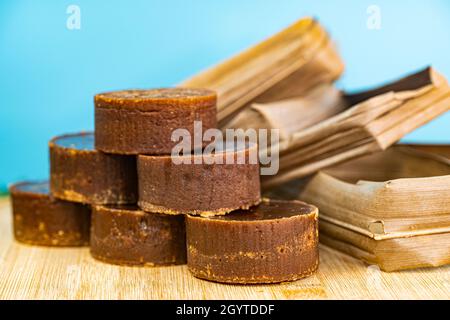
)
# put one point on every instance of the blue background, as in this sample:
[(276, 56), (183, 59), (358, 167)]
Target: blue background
[(49, 74)]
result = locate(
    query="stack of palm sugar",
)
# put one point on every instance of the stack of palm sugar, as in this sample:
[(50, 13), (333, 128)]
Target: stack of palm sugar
[(148, 203), (139, 124), (128, 190), (204, 189)]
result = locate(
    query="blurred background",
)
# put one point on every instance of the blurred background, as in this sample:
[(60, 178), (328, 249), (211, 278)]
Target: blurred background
[(49, 73)]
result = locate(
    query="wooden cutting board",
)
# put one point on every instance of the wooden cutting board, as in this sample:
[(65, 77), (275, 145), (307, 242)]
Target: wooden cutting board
[(54, 273)]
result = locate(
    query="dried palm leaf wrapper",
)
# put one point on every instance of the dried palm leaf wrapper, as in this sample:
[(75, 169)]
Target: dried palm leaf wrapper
[(292, 115), (391, 254), (371, 121), (286, 65), (390, 208)]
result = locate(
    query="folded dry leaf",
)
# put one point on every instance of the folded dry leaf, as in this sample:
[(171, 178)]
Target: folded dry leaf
[(372, 121), (390, 208)]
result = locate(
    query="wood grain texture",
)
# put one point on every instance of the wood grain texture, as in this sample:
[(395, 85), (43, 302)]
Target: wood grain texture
[(53, 273)]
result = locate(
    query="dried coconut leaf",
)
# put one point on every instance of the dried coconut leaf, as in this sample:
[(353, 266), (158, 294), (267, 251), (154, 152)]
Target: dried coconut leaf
[(292, 115), (369, 126), (389, 208), (403, 190), (427, 250)]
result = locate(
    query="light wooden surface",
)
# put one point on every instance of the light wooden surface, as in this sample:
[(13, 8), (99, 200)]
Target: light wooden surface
[(46, 273)]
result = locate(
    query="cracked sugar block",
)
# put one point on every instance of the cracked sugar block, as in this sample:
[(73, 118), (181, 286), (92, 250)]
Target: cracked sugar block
[(125, 235), (274, 242), (142, 121), (205, 185), (82, 174), (39, 219)]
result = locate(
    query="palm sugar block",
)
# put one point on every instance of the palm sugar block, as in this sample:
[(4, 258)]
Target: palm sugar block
[(142, 121), (80, 173), (39, 219), (274, 242), (125, 235), (172, 185)]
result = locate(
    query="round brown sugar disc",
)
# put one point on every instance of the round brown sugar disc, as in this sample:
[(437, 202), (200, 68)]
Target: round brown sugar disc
[(206, 185), (125, 235), (39, 219), (276, 241), (142, 121), (80, 173)]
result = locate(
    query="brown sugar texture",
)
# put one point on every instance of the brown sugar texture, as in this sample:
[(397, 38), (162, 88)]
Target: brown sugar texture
[(274, 242), (125, 235), (206, 188), (142, 121), (80, 173), (39, 219)]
